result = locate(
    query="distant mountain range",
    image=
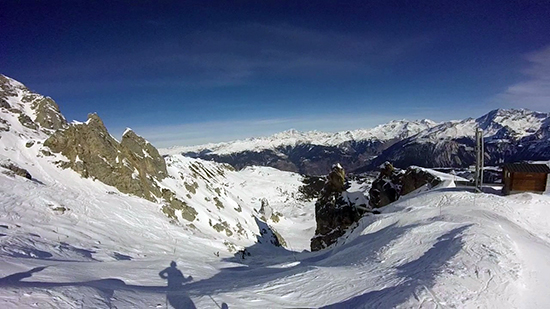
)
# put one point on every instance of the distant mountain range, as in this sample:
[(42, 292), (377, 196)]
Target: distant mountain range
[(510, 135)]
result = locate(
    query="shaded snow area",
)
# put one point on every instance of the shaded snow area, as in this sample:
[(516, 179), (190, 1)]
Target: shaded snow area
[(76, 243)]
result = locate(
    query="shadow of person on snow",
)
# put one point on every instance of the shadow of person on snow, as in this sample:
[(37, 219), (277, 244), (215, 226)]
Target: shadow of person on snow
[(175, 294), (20, 276)]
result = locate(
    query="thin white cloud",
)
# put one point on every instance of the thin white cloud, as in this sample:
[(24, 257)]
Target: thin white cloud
[(533, 93)]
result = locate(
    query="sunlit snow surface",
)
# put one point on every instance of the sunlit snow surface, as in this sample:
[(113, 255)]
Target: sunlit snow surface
[(69, 242), (444, 248)]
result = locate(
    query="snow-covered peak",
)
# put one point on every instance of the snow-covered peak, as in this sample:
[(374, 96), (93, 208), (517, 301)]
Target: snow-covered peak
[(9, 82), (394, 129), (32, 110), (521, 121), (499, 123)]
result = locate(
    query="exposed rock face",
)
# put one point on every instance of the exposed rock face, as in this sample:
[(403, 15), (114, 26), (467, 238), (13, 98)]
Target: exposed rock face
[(414, 178), (312, 187), (15, 170), (334, 213), (131, 166), (391, 184), (174, 204), (46, 113), (386, 188), (151, 161)]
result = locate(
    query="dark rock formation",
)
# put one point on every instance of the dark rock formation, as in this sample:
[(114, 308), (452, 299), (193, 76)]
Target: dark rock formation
[(334, 213), (311, 188), (386, 188), (415, 178), (392, 183), (15, 170)]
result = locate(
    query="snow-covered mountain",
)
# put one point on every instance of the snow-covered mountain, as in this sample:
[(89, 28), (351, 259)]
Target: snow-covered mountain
[(510, 135), (397, 129), (309, 153), (70, 240), (207, 198), (499, 124)]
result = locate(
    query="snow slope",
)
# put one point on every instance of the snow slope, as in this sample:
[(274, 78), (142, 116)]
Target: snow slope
[(443, 248)]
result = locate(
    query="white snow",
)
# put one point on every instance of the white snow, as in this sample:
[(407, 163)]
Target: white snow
[(70, 242), (126, 131), (520, 121), (393, 129), (442, 248)]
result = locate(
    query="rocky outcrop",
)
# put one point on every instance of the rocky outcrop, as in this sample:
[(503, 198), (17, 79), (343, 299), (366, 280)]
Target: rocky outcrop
[(415, 178), (386, 188), (132, 166), (393, 183), (13, 169), (46, 113), (311, 188), (334, 212), (151, 162)]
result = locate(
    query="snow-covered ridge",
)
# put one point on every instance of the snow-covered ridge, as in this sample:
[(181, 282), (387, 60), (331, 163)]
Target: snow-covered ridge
[(394, 129), (499, 123)]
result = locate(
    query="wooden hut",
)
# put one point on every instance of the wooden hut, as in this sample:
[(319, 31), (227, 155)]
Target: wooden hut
[(524, 177)]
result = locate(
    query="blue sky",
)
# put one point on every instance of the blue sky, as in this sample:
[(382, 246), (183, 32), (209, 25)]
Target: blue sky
[(188, 72)]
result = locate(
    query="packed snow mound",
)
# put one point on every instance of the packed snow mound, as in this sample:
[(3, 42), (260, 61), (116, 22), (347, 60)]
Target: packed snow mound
[(450, 248), (395, 129)]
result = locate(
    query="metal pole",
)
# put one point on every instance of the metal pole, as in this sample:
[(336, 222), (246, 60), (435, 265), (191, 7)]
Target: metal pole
[(479, 160)]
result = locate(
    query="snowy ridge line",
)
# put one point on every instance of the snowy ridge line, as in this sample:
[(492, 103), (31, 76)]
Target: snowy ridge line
[(497, 124), (391, 130)]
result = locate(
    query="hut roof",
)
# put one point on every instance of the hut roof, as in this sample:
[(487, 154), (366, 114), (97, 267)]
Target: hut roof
[(527, 168)]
